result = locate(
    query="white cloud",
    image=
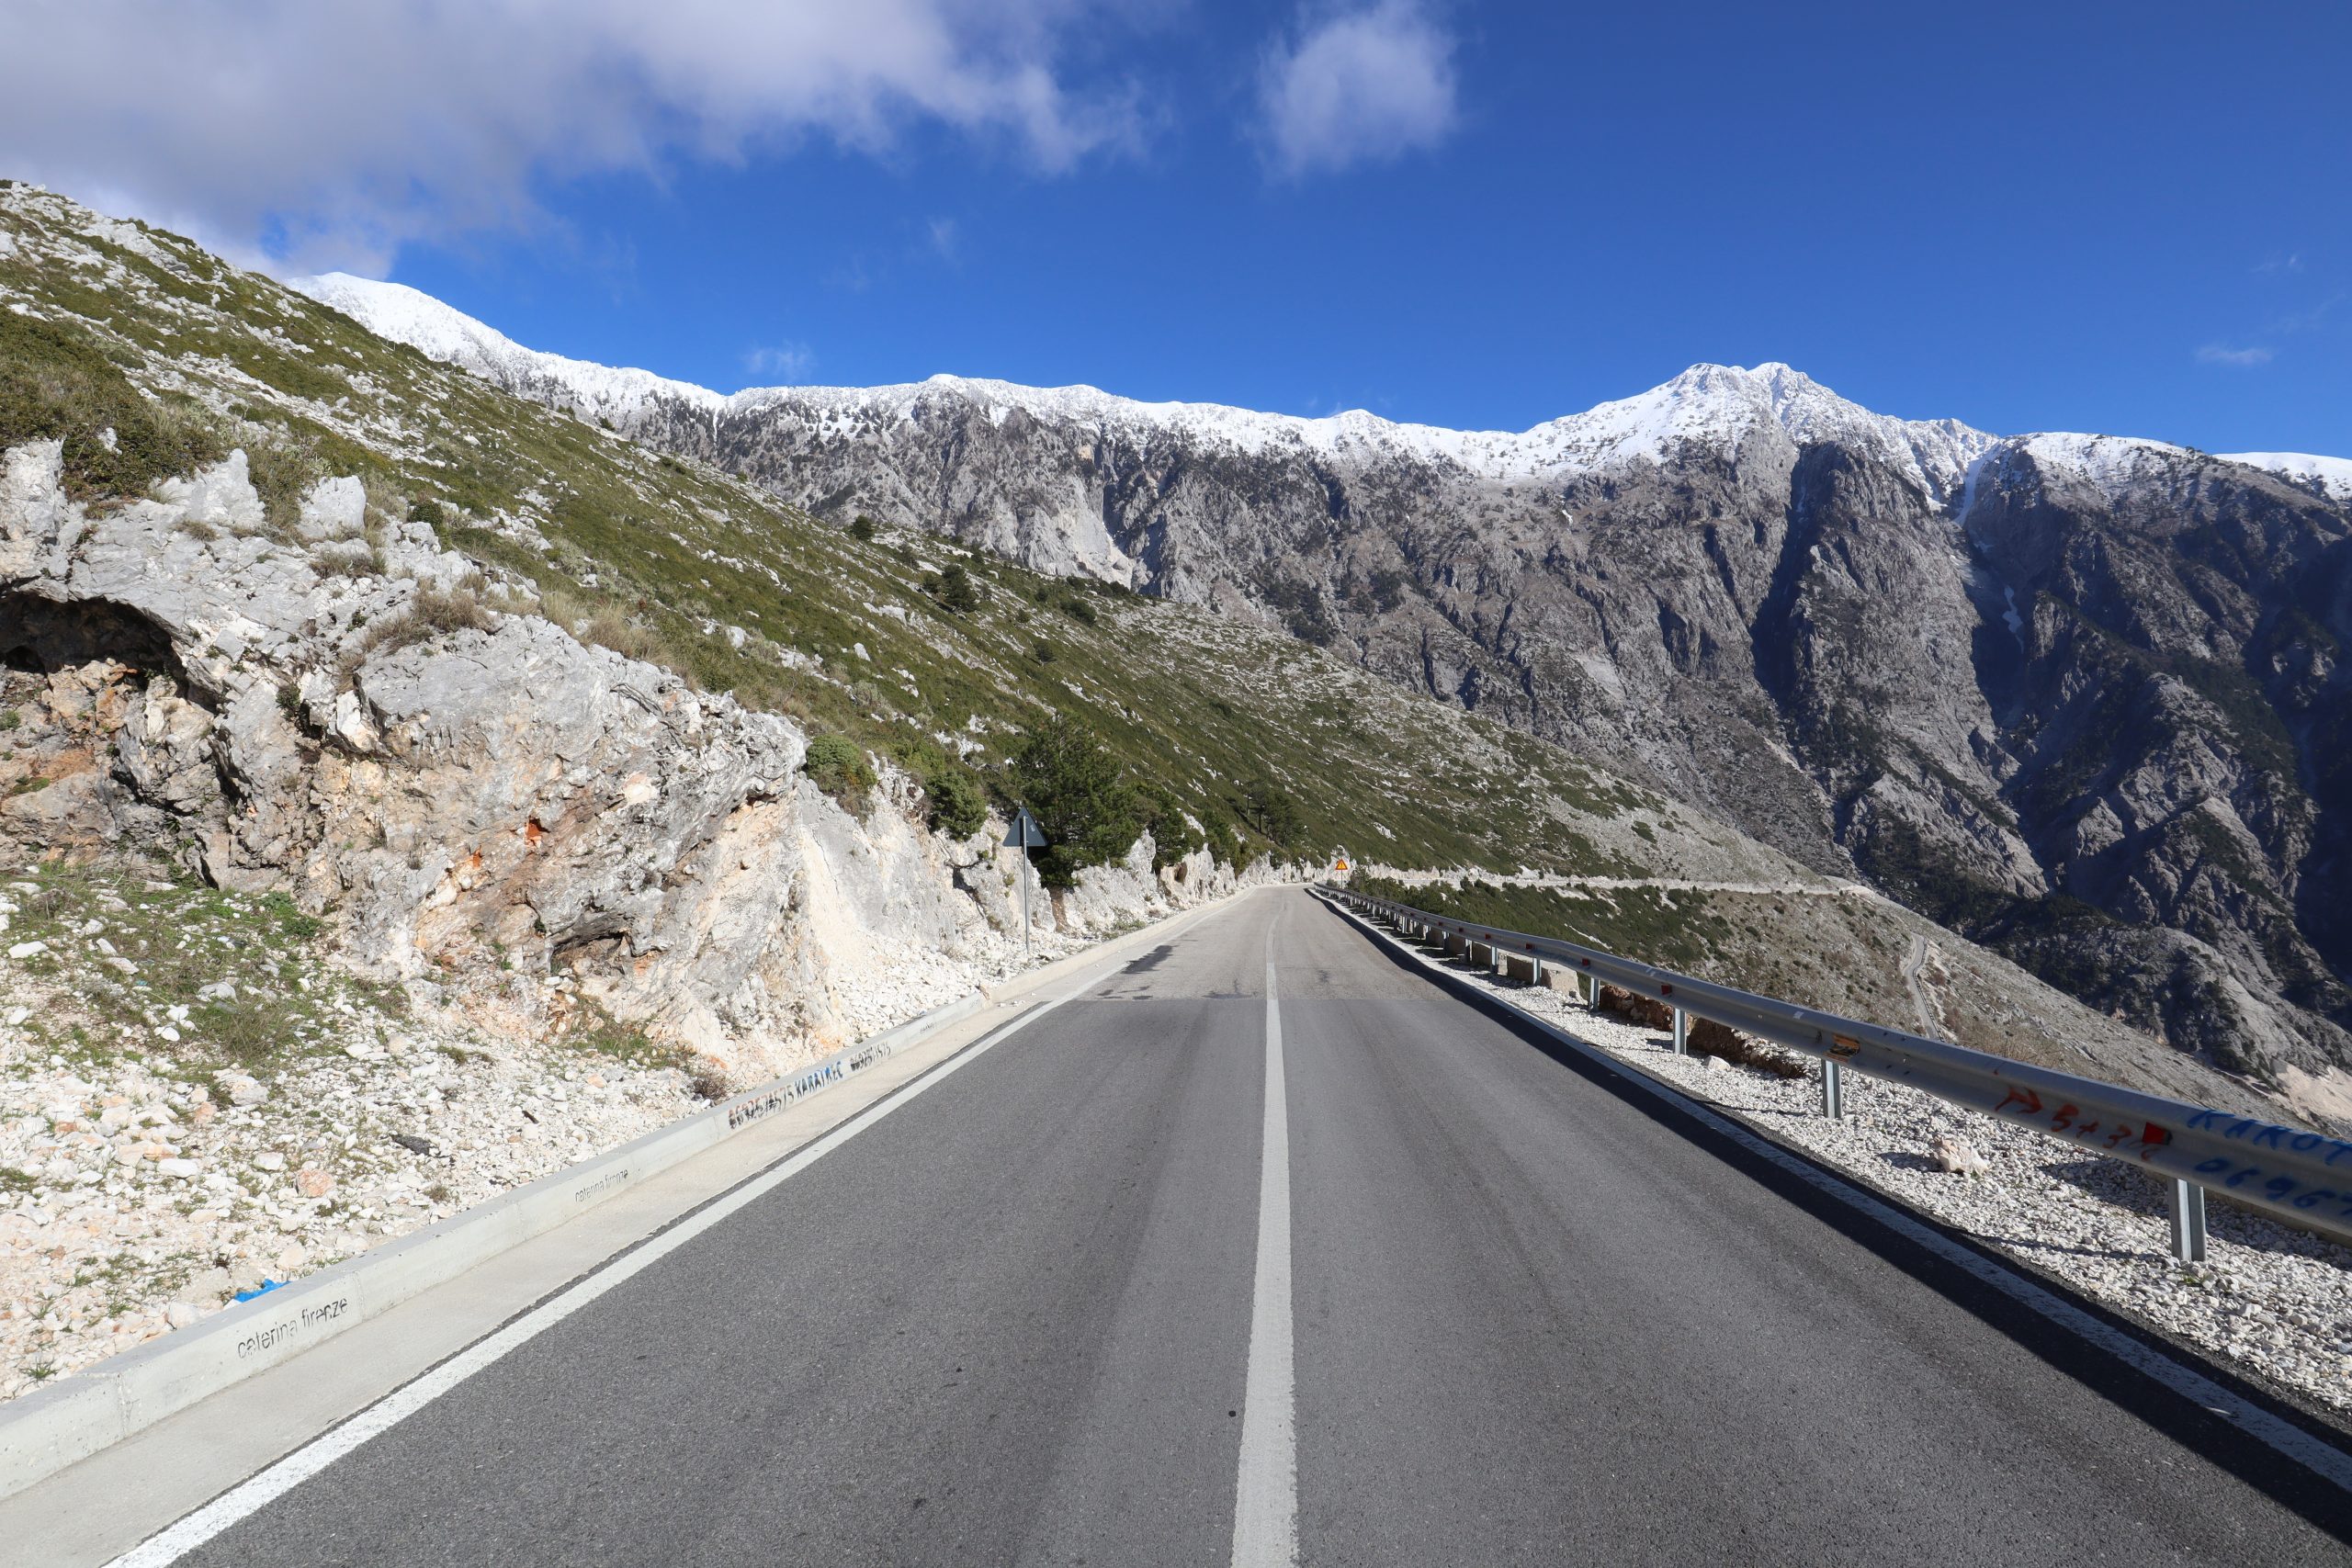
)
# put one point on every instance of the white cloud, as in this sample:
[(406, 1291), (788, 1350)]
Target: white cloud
[(944, 237), (2241, 358), (786, 363), (329, 134), (1358, 86)]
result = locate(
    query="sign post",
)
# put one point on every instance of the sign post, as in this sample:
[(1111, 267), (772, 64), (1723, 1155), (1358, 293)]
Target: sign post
[(1023, 835)]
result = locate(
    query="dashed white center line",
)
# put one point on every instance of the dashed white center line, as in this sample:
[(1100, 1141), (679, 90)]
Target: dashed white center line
[(1265, 1499)]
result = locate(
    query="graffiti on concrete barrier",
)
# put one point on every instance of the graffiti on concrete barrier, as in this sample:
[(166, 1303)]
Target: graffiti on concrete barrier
[(287, 1328), (745, 1111), (602, 1184)]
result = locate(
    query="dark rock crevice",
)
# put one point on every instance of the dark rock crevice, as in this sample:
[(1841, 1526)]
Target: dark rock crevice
[(40, 636)]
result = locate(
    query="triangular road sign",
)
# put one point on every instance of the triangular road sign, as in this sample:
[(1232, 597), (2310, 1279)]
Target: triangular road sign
[(1024, 833)]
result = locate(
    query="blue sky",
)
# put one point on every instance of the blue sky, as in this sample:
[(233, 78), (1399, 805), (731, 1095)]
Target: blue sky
[(2123, 218)]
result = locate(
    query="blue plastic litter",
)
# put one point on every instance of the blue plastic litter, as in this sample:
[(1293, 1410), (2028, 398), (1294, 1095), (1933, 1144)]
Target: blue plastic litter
[(261, 1290)]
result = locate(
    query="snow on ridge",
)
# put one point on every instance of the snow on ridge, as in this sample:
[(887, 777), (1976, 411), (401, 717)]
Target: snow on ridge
[(2105, 460), (2116, 463), (2331, 477), (1712, 404), (402, 314), (1722, 406), (1246, 429), (1718, 404)]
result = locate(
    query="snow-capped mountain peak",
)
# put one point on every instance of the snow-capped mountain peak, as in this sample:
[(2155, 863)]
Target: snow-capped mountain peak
[(1724, 405)]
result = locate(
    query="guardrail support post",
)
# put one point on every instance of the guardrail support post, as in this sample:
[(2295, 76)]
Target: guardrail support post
[(2188, 1221), (1681, 1032), (1833, 1090)]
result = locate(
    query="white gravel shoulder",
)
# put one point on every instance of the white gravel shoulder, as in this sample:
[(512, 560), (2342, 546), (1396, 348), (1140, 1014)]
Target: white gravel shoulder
[(2270, 1300), (141, 1192)]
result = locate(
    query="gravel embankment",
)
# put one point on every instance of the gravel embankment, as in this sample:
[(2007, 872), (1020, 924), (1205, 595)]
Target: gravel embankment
[(158, 1155)]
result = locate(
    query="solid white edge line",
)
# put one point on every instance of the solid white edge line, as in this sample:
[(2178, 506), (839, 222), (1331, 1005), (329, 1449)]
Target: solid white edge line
[(241, 1501), (2321, 1458), (1265, 1493)]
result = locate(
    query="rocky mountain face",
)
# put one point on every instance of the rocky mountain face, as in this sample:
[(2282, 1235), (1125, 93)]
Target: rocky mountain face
[(2080, 697)]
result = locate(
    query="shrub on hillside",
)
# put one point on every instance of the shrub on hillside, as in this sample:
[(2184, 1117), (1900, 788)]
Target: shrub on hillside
[(611, 626), (430, 613), (958, 591), (1090, 815), (835, 764), (1172, 834), (459, 609), (957, 807), (1222, 841), (1272, 812)]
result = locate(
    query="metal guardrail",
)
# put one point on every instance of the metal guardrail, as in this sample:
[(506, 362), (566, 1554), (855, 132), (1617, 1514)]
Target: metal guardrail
[(2301, 1175)]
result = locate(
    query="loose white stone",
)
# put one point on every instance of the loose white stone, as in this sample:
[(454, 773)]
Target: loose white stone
[(1957, 1155)]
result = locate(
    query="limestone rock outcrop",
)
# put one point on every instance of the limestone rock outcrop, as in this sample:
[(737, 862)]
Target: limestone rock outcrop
[(488, 807)]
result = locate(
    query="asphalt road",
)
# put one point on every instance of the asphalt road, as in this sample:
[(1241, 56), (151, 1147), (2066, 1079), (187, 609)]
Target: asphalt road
[(1531, 1319)]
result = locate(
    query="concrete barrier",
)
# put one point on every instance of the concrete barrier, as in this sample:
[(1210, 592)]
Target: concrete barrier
[(50, 1429), (1521, 967)]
